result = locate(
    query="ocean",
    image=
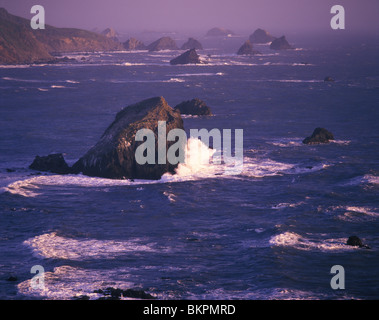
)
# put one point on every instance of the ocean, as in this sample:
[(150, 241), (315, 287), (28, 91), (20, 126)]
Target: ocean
[(273, 231)]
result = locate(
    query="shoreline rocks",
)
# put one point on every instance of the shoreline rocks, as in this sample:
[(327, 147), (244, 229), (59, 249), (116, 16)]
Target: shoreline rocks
[(53, 163), (319, 135), (195, 107)]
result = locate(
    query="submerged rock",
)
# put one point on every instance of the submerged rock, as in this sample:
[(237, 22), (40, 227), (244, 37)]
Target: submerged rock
[(356, 242), (164, 43), (328, 79), (187, 57), (134, 44), (54, 163), (319, 135), (194, 107), (116, 293), (114, 154), (261, 36), (280, 44), (247, 49), (192, 44)]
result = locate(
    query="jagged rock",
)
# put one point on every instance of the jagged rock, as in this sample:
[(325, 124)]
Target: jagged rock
[(280, 44), (54, 163), (319, 135), (261, 36), (110, 33), (329, 79), (116, 293), (219, 32), (187, 57), (114, 154), (192, 44), (164, 43), (134, 44), (194, 107), (356, 242), (247, 49)]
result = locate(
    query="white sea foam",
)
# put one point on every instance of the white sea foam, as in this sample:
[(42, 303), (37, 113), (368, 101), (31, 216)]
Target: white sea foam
[(72, 81), (53, 246), (57, 87), (66, 282), (366, 179), (200, 74), (294, 240)]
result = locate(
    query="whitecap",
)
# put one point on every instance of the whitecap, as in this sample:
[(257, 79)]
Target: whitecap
[(296, 241), (66, 282), (53, 246)]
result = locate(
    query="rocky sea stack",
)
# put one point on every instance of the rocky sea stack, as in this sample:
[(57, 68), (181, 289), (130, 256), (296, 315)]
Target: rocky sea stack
[(192, 44), (280, 44), (247, 49), (53, 163), (114, 154), (164, 43), (261, 36), (219, 32), (110, 33), (319, 135), (195, 107), (134, 44), (188, 57)]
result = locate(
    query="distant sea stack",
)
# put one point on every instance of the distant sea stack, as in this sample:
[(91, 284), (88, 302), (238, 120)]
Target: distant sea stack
[(20, 44), (261, 36), (133, 44), (280, 44), (188, 57), (247, 49), (219, 32), (114, 154), (319, 135), (192, 44), (164, 43), (110, 33), (195, 107)]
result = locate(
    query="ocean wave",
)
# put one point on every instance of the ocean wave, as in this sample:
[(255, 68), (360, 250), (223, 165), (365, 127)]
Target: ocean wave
[(57, 87), (66, 282), (53, 246), (366, 179), (296, 241), (287, 142), (200, 74)]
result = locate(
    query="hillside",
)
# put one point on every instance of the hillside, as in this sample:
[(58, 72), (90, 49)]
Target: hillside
[(19, 43)]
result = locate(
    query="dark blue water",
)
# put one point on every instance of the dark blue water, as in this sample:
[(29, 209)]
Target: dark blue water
[(272, 232)]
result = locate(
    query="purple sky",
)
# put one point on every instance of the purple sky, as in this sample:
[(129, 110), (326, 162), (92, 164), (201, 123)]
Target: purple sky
[(201, 15)]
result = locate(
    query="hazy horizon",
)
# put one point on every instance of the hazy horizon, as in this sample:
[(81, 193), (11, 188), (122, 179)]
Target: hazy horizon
[(293, 16)]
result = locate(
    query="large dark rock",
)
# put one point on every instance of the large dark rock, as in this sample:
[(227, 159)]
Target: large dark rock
[(328, 79), (194, 107), (116, 293), (134, 44), (114, 154), (219, 32), (164, 43), (356, 242), (261, 36), (54, 163), (192, 44), (247, 49), (187, 57), (319, 135), (280, 44)]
